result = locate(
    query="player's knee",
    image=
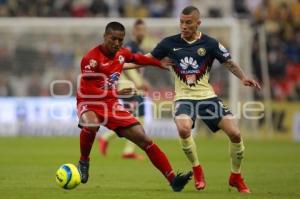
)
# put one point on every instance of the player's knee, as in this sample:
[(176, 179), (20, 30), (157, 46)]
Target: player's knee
[(146, 142), (137, 135), (143, 142), (234, 135), (184, 131), (91, 127), (89, 120)]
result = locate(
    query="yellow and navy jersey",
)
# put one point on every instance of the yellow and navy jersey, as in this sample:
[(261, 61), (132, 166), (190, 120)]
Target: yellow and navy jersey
[(193, 61), (131, 78)]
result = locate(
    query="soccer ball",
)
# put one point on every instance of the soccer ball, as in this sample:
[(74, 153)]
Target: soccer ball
[(68, 176)]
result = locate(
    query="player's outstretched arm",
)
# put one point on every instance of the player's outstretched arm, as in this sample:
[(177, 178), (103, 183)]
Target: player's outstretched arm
[(238, 72), (165, 65), (141, 60), (128, 66)]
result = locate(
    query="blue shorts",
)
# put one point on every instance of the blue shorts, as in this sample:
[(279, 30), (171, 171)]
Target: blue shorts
[(209, 110)]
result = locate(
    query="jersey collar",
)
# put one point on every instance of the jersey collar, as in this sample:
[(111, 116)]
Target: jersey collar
[(197, 38)]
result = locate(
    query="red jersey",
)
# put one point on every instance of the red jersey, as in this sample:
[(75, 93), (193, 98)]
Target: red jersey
[(100, 74)]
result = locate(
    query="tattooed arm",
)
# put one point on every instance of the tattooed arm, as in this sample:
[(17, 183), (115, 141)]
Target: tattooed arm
[(235, 69), (238, 72)]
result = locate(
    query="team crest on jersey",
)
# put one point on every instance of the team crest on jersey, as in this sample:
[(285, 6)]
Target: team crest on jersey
[(201, 51), (92, 64), (121, 59)]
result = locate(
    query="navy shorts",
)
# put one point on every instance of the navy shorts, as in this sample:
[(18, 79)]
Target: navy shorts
[(135, 105), (209, 110)]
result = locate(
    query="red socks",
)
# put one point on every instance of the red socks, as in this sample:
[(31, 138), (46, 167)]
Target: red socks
[(157, 157), (87, 138), (159, 160)]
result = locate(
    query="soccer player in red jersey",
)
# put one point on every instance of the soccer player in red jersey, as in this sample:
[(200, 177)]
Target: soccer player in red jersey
[(97, 103), (136, 103)]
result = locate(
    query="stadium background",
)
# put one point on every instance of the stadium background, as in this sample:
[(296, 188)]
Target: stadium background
[(42, 42)]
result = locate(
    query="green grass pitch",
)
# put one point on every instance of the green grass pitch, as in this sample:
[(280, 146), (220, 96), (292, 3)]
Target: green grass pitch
[(28, 165)]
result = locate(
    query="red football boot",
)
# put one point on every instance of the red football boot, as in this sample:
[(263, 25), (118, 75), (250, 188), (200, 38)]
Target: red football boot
[(237, 181), (103, 144), (199, 177), (133, 156)]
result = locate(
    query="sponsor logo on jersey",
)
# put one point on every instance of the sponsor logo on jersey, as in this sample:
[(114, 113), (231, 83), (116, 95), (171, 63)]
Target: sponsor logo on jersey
[(201, 52), (188, 61), (190, 72), (105, 64), (121, 59), (112, 80), (175, 49), (191, 79)]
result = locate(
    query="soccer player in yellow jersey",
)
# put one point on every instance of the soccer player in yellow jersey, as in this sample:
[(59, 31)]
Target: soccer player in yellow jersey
[(193, 54), (131, 79)]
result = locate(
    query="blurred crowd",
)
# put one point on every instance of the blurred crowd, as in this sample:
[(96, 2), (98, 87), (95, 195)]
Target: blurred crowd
[(86, 8), (280, 19)]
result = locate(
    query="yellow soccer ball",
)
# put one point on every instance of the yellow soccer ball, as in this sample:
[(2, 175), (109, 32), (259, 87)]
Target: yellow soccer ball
[(68, 176)]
